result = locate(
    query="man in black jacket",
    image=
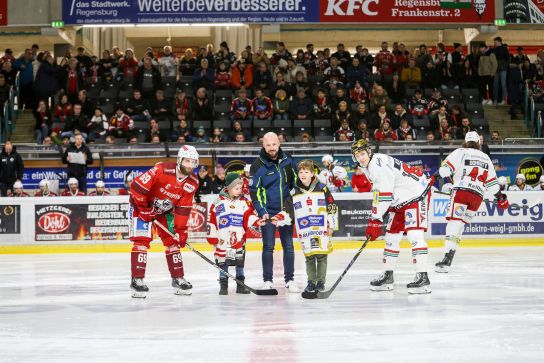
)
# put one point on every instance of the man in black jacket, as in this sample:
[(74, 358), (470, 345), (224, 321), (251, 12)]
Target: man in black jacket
[(78, 156), (74, 123), (218, 183), (204, 181), (11, 168), (503, 62)]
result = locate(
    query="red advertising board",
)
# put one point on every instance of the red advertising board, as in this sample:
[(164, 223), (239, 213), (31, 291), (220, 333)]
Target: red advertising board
[(3, 12), (406, 11)]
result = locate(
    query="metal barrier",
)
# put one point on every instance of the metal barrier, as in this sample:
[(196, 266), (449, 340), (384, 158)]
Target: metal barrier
[(539, 124)]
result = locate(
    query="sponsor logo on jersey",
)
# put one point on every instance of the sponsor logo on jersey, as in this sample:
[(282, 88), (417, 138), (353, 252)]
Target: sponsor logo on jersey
[(297, 205), (231, 220), (220, 209), (459, 210), (311, 221), (309, 201), (189, 188), (321, 202), (54, 222)]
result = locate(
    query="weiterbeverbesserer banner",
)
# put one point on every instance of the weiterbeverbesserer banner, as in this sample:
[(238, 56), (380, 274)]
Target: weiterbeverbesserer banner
[(67, 222)]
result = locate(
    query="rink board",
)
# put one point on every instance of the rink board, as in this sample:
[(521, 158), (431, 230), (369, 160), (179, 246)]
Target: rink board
[(91, 224)]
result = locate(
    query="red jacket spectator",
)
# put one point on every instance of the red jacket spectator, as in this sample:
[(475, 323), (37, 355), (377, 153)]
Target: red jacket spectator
[(121, 121), (262, 106), (128, 64), (357, 94), (242, 75), (241, 108), (384, 62), (385, 132), (360, 183), (222, 79)]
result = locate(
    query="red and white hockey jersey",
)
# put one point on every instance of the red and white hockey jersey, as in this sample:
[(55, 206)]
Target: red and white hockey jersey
[(94, 193), (228, 221), (395, 184), (39, 193), (333, 179), (471, 170), (68, 193), (161, 188)]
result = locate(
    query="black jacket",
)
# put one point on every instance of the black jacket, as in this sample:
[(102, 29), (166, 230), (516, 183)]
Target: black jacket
[(77, 170), (11, 167), (74, 122), (139, 78), (218, 185)]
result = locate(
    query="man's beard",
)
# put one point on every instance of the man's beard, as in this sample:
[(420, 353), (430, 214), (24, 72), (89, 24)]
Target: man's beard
[(273, 154), (185, 171)]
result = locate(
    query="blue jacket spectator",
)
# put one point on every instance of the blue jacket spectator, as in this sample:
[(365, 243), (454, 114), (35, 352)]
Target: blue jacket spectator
[(301, 107), (203, 76)]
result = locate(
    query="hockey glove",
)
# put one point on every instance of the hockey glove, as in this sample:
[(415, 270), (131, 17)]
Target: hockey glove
[(182, 238), (146, 214), (282, 219), (502, 201), (374, 229), (339, 183)]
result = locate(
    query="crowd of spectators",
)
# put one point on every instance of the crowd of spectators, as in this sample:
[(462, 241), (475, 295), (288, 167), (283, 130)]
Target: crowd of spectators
[(219, 96)]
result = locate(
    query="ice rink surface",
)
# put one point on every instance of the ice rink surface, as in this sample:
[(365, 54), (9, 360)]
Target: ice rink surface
[(77, 308)]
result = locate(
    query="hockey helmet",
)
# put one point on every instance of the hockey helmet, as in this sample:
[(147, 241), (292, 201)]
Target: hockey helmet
[(328, 158), (521, 176), (17, 185), (502, 180), (73, 181), (100, 184), (129, 177), (359, 146), (472, 136), (188, 152)]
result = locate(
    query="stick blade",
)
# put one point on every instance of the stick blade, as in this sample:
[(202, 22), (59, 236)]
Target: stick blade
[(267, 292), (324, 294), (309, 294)]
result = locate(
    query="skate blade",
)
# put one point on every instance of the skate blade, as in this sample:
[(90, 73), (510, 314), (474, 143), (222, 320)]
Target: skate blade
[(442, 270), (183, 292), (387, 287), (420, 290), (138, 295)]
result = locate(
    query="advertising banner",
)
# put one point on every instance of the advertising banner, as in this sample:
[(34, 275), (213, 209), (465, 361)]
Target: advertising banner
[(71, 222), (524, 11), (10, 219), (189, 11), (277, 11), (198, 221), (509, 165), (524, 217), (3, 12)]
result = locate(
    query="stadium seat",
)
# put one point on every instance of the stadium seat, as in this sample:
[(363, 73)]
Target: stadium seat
[(125, 94), (262, 126), (168, 82), (165, 125), (475, 110), (222, 95), (141, 125), (222, 124), (109, 92), (93, 90), (323, 138), (447, 92), (479, 122), (470, 95), (421, 122), (283, 125), (127, 85), (454, 99), (222, 110), (410, 92), (302, 126), (428, 92), (207, 124)]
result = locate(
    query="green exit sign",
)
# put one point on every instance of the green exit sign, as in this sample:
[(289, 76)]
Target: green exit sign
[(500, 22), (57, 24)]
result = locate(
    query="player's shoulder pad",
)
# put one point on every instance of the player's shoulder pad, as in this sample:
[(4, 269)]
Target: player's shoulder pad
[(193, 179), (167, 167)]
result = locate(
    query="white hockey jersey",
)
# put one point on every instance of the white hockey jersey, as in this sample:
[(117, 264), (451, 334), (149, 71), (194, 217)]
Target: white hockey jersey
[(515, 188), (326, 177), (395, 184), (228, 221), (471, 170)]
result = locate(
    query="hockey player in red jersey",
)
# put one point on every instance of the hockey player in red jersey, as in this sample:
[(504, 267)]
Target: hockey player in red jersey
[(44, 190), (128, 182), (231, 215), (246, 177), (100, 190), (165, 193), (18, 191), (73, 189)]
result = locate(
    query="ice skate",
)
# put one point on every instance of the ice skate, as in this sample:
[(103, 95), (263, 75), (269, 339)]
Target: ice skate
[(182, 286), (139, 288), (444, 265), (420, 285), (241, 289), (384, 282), (291, 287), (223, 286)]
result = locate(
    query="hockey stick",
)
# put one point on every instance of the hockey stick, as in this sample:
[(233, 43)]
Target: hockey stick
[(255, 291), (326, 294)]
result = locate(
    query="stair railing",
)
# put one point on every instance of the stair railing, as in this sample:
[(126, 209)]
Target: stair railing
[(539, 124), (526, 105)]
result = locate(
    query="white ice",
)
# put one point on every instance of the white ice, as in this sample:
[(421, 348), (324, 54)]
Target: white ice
[(77, 308)]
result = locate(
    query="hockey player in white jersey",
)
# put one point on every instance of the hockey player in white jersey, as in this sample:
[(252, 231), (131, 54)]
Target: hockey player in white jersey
[(332, 176), (473, 174), (520, 185), (403, 192)]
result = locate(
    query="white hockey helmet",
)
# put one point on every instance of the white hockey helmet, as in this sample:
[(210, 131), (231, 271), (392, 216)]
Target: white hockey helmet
[(328, 158), (44, 183), (247, 168), (17, 185), (542, 179), (188, 152), (129, 177), (502, 180), (472, 136), (72, 181), (521, 176), (446, 188), (100, 184)]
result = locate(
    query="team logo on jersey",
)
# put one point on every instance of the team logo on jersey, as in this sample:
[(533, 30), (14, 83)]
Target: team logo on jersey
[(189, 188), (223, 221), (410, 218), (297, 205)]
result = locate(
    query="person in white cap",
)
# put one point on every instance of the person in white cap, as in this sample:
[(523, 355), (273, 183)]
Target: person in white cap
[(521, 185), (44, 190), (100, 190), (473, 174), (128, 182), (503, 183), (18, 190), (73, 189), (332, 176)]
